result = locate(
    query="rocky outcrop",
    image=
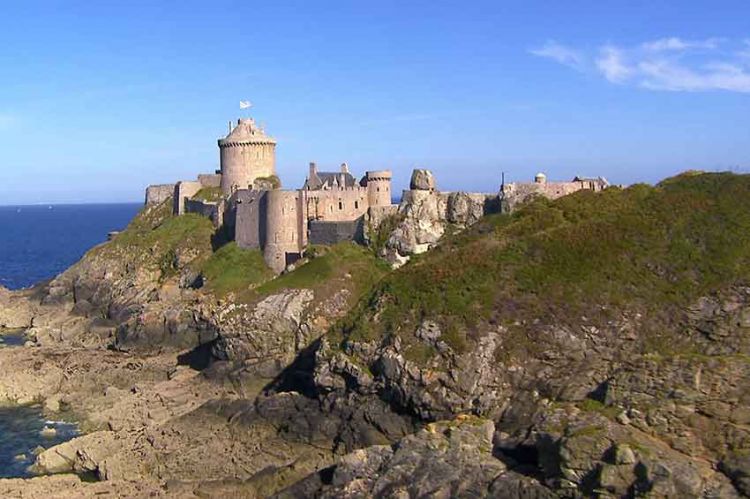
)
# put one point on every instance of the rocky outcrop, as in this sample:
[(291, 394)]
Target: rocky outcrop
[(426, 215), (622, 423), (264, 337), (16, 308), (446, 459), (422, 180)]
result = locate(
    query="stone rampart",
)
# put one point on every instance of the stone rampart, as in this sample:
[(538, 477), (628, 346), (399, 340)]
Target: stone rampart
[(157, 194), (515, 193), (208, 209), (182, 192), (210, 179)]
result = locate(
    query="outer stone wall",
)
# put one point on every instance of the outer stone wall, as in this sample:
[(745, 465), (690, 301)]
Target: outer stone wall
[(515, 193), (335, 232), (214, 211), (210, 179), (156, 194), (336, 205)]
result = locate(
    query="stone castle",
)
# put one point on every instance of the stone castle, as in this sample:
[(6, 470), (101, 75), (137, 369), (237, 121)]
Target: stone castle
[(245, 198)]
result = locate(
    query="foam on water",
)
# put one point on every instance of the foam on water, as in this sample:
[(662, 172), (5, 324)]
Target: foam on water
[(21, 436)]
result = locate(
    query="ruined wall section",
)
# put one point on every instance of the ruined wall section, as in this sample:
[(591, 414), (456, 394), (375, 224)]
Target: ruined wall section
[(212, 210), (157, 194), (182, 192), (515, 193)]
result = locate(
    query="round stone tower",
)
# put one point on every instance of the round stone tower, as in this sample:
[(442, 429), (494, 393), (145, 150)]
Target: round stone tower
[(246, 153), (379, 187)]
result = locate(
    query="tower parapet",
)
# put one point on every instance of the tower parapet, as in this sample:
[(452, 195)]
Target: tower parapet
[(246, 153)]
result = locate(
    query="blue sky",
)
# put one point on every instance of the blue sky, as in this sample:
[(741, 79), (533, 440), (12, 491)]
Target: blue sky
[(99, 99)]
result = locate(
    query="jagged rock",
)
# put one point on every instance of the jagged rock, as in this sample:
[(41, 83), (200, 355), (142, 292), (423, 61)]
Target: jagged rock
[(271, 328), (446, 459), (426, 215), (737, 468), (422, 180), (624, 454)]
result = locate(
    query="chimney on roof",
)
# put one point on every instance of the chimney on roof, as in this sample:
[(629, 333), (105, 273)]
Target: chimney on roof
[(344, 168), (313, 170)]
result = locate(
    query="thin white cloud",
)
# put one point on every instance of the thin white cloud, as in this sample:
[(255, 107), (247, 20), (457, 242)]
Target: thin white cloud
[(676, 44), (559, 53), (665, 75), (611, 63), (671, 64)]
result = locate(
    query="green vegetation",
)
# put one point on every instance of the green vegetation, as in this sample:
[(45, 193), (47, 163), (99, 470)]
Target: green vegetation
[(379, 237), (211, 194), (231, 268), (347, 261), (591, 405), (156, 238), (271, 181), (650, 249)]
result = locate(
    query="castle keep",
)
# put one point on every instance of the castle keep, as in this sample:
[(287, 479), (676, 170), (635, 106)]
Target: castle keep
[(245, 197), (246, 154)]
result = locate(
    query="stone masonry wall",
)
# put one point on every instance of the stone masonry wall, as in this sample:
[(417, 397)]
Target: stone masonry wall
[(214, 211), (336, 205), (210, 179), (335, 232), (156, 194), (182, 192), (241, 164), (515, 193)]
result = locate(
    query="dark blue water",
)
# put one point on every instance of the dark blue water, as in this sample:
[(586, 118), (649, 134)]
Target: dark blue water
[(14, 339), (21, 433), (39, 242)]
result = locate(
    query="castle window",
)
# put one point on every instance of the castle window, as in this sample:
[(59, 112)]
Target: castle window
[(378, 189), (341, 205), (356, 205)]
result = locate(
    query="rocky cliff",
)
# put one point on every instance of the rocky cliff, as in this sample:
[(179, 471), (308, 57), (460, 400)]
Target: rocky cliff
[(595, 345)]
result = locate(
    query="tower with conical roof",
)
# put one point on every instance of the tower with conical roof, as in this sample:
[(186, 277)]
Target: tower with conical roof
[(246, 154)]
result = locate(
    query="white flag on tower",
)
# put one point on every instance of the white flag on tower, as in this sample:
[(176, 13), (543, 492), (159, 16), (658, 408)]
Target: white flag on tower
[(245, 104)]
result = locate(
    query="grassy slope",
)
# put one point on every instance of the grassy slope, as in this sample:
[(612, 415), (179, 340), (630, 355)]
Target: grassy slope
[(330, 269), (154, 238), (647, 249), (231, 268)]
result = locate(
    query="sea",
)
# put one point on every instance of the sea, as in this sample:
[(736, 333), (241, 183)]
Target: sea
[(39, 242), (36, 244)]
